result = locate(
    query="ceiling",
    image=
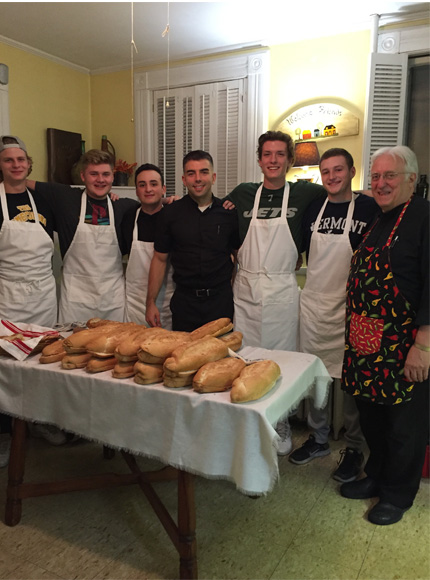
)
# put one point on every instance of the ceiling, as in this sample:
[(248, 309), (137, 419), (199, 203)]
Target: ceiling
[(97, 36)]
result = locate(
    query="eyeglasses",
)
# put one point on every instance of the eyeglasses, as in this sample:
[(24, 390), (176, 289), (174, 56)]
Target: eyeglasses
[(387, 176)]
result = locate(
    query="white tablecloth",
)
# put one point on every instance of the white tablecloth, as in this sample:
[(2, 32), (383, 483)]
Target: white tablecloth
[(204, 434)]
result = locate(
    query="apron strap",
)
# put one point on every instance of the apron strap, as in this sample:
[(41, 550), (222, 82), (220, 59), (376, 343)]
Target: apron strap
[(396, 225)]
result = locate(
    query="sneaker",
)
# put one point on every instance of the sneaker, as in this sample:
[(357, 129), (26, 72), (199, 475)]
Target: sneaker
[(5, 441), (350, 463), (285, 445), (308, 451), (50, 433)]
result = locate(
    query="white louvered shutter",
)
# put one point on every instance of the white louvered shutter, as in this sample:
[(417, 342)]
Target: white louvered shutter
[(385, 115)]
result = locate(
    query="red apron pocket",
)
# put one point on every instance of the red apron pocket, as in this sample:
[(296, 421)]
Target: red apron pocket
[(365, 334)]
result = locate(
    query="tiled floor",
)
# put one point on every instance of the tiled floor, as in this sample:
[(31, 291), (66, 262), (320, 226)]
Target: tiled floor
[(302, 530)]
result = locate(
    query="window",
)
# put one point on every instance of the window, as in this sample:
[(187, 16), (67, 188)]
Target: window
[(219, 106)]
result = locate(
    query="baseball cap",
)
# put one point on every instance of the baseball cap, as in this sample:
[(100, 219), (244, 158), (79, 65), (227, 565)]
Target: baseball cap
[(18, 143)]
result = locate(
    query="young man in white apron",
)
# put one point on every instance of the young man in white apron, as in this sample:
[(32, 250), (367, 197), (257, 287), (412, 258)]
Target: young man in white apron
[(27, 284), (266, 296), (139, 228), (88, 226), (333, 229)]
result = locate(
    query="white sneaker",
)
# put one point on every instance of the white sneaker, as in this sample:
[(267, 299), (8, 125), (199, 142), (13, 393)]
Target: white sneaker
[(50, 433), (5, 440), (285, 445)]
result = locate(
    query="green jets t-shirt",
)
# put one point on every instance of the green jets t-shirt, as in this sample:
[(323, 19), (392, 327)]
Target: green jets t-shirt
[(302, 194)]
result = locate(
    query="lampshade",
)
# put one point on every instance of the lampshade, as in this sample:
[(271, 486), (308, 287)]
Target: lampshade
[(306, 154)]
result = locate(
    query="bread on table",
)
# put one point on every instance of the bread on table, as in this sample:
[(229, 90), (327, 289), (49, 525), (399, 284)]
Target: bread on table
[(77, 342), (97, 322), (104, 344), (178, 380), (192, 356), (123, 369), (147, 374), (127, 348), (233, 340), (75, 361), (99, 365), (254, 381), (217, 376), (214, 328), (156, 348), (53, 352)]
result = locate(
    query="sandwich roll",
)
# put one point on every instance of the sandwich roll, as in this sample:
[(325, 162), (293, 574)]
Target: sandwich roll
[(183, 380), (195, 354), (77, 342), (99, 365), (255, 381), (127, 348), (147, 374), (233, 340), (53, 352), (104, 345), (97, 322), (123, 370), (157, 347), (217, 376), (214, 328), (75, 361)]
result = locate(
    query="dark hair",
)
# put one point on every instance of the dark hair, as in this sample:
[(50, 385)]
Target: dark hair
[(197, 155), (148, 167), (276, 136), (338, 152), (97, 157)]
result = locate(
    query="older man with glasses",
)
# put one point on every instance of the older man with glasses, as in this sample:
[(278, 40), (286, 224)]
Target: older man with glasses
[(387, 356)]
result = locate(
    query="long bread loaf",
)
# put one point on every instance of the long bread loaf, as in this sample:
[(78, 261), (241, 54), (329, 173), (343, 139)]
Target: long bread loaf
[(255, 381)]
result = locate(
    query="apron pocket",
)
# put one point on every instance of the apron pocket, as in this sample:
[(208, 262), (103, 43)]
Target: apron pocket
[(365, 334)]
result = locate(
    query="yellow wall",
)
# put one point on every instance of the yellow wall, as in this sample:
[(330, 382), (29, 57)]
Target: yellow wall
[(324, 69), (44, 94), (111, 108)]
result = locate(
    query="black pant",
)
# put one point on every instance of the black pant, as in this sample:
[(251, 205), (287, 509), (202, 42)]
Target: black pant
[(5, 423), (190, 311), (397, 436)]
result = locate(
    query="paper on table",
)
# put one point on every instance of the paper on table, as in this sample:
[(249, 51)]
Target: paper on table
[(29, 337)]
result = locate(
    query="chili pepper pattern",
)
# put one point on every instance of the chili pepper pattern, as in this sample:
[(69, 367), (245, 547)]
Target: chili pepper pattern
[(379, 330)]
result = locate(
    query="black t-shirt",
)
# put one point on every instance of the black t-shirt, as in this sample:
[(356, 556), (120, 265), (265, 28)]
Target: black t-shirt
[(146, 227), (65, 202), (409, 252), (19, 208), (199, 243), (333, 219)]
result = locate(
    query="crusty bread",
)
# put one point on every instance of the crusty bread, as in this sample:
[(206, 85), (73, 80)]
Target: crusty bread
[(195, 354), (233, 340), (127, 348), (218, 375), (97, 322), (147, 374), (156, 348), (77, 342), (53, 352), (214, 328), (182, 380), (123, 369), (75, 361), (104, 345), (254, 381), (99, 365)]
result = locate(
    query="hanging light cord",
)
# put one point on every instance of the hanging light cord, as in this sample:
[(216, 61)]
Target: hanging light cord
[(163, 34), (132, 49)]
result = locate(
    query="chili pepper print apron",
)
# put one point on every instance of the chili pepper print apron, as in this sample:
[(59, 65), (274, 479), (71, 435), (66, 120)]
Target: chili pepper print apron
[(379, 327)]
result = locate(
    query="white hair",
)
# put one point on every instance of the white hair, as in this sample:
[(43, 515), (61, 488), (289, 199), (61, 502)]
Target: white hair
[(404, 153)]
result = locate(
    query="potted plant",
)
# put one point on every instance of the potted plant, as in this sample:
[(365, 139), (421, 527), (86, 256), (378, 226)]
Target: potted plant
[(122, 172)]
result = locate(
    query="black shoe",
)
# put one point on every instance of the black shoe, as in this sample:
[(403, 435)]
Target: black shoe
[(350, 463), (308, 451), (361, 489), (384, 514)]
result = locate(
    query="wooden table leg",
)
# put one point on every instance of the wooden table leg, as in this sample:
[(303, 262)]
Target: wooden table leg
[(187, 526), (16, 473)]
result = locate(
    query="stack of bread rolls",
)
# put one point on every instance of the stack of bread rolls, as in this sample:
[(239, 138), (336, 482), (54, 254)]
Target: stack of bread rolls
[(198, 359)]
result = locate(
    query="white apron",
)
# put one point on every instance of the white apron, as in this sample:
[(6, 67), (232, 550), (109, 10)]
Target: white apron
[(93, 281), (136, 283), (323, 299), (266, 296), (27, 284)]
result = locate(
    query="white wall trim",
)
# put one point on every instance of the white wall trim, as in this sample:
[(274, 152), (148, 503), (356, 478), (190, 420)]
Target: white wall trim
[(412, 40)]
